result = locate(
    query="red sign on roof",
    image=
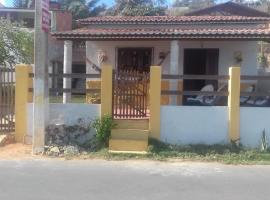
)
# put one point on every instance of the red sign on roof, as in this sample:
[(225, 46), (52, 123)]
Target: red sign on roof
[(45, 21)]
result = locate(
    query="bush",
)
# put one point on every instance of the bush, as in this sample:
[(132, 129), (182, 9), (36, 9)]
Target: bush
[(103, 127)]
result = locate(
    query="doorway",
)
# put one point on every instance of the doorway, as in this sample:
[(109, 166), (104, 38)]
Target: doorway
[(200, 62), (139, 59)]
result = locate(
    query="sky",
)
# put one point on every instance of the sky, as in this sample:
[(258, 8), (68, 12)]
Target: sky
[(107, 2)]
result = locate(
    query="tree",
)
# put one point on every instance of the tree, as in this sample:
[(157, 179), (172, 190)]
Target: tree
[(16, 44), (81, 8), (22, 3), (194, 4), (138, 8), (263, 5)]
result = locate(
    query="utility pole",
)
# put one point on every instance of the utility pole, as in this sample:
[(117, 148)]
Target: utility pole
[(41, 90)]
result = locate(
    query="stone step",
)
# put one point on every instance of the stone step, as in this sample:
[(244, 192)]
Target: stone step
[(128, 146), (132, 124), (129, 134)]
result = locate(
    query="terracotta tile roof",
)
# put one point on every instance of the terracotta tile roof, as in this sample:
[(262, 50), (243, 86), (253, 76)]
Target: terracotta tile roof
[(169, 19), (164, 33)]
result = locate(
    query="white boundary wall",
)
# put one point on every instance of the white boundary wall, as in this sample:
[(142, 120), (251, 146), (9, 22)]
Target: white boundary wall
[(66, 114), (194, 124), (253, 121)]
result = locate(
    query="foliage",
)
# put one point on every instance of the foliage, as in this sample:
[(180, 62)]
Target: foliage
[(194, 4), (81, 8), (16, 44), (22, 3), (262, 60), (137, 8), (103, 128), (264, 142)]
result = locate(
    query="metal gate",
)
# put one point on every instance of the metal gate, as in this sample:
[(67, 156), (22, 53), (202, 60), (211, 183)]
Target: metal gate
[(7, 100), (130, 94)]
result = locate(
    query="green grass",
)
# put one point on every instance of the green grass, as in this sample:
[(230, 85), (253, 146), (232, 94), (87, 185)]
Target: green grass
[(227, 154)]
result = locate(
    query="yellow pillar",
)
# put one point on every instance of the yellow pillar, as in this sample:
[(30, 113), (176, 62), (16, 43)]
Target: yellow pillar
[(106, 90), (234, 104), (155, 96), (22, 97)]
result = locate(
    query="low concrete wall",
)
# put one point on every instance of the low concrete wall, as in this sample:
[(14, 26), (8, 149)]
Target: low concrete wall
[(68, 114), (194, 124), (253, 121)]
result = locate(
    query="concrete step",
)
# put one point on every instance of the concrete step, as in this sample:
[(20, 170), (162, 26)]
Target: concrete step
[(132, 124), (129, 134), (128, 146)]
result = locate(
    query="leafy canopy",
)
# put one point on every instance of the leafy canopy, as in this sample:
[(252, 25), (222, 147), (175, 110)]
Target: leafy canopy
[(138, 8), (22, 3), (16, 44), (81, 8)]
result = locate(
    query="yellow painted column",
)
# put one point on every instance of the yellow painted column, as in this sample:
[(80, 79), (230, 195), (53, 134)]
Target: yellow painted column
[(106, 90), (155, 96), (234, 104), (22, 97)]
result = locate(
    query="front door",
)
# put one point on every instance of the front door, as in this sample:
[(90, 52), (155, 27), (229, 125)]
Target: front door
[(139, 59), (200, 62)]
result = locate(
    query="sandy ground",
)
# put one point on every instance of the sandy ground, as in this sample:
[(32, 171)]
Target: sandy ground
[(16, 151)]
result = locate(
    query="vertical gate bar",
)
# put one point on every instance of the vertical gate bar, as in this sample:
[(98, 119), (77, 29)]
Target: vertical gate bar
[(8, 101), (5, 100), (125, 95), (13, 98), (121, 93), (134, 94), (137, 106), (10, 105), (128, 95), (11, 102), (142, 96), (0, 100), (113, 96)]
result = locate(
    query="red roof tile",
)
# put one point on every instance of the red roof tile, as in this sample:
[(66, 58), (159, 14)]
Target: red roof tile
[(169, 19), (165, 33)]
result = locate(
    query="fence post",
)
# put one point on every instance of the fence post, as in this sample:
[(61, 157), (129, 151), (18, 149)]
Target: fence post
[(155, 97), (22, 97), (234, 104), (106, 90)]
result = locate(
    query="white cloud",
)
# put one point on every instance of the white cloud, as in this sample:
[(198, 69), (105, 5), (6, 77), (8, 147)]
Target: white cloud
[(2, 1)]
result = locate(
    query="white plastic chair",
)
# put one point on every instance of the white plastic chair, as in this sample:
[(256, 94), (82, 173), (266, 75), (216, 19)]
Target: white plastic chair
[(244, 99), (201, 99)]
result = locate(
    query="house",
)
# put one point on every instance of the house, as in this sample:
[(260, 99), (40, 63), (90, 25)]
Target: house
[(194, 51), (180, 43)]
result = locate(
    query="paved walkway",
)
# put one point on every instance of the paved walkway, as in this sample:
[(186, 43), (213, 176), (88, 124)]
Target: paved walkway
[(102, 180)]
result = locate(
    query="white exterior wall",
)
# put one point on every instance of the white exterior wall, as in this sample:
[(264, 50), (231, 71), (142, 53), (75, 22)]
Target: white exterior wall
[(226, 52), (65, 114), (252, 123), (194, 125)]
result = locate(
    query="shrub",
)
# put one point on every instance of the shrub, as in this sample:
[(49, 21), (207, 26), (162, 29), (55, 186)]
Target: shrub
[(264, 142), (103, 128)]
